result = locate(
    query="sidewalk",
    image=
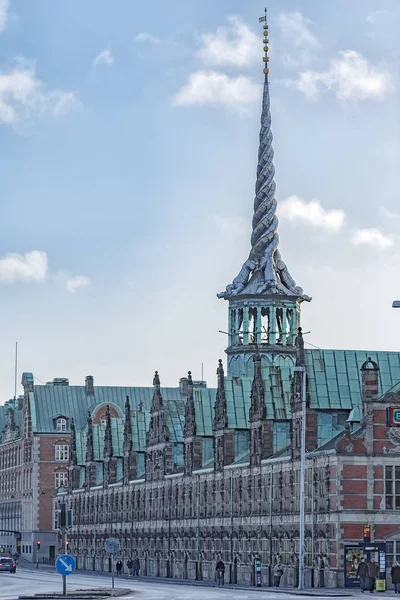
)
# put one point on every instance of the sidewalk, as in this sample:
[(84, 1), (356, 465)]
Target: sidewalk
[(312, 592)]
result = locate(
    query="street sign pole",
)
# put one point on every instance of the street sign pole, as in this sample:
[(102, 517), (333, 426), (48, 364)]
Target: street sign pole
[(64, 577), (111, 546)]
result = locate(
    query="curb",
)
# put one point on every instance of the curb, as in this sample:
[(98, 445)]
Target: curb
[(315, 592)]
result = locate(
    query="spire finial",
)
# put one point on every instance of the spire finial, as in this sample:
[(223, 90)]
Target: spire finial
[(266, 41), (156, 380)]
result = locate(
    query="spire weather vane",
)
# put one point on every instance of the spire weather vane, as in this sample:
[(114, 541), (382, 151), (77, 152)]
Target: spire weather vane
[(264, 272)]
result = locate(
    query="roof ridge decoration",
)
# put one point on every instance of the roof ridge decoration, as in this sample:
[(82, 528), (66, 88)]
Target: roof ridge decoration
[(264, 272), (73, 455), (89, 443), (127, 427), (257, 396), (220, 407), (108, 443), (190, 413)]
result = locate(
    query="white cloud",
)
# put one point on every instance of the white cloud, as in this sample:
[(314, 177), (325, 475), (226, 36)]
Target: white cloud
[(4, 4), (28, 267), (232, 225), (388, 214), (147, 37), (233, 46), (295, 29), (371, 237), (296, 209), (210, 87), (350, 77), (24, 96), (76, 282), (297, 34), (375, 15), (104, 58)]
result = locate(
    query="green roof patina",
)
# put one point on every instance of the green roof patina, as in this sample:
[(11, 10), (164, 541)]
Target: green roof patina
[(334, 383), (334, 376)]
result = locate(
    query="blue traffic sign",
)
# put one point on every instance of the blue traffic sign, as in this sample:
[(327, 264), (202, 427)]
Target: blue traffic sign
[(65, 564)]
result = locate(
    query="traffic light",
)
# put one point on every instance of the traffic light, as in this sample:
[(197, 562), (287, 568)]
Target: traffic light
[(67, 546), (38, 546), (367, 534)]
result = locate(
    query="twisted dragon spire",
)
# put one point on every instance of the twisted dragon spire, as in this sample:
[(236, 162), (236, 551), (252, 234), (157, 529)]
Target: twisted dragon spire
[(264, 272)]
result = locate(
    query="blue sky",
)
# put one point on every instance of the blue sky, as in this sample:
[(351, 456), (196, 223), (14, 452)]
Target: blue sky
[(128, 136)]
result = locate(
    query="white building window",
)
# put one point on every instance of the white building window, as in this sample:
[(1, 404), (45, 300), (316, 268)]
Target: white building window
[(62, 452), (392, 487), (61, 478), (61, 424)]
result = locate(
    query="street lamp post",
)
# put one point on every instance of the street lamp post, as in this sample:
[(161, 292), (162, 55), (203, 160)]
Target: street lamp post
[(302, 370)]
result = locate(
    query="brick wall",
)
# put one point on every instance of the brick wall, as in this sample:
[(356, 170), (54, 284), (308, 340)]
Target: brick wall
[(47, 468), (268, 438), (229, 447)]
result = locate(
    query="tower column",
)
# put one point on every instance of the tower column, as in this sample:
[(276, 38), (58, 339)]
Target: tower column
[(258, 325), (284, 326), (272, 325), (292, 328), (236, 327), (245, 325)]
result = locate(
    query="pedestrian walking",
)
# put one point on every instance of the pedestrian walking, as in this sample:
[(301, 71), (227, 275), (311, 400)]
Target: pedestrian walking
[(119, 566), (220, 572), (136, 566), (362, 574), (129, 565), (373, 572), (395, 575), (278, 572)]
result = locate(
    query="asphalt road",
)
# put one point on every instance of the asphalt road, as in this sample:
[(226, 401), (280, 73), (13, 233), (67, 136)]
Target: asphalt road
[(32, 581)]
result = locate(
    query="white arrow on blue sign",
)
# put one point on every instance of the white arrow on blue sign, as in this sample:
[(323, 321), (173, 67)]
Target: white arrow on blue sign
[(65, 564)]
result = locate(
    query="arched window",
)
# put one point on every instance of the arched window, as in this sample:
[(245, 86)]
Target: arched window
[(61, 424), (61, 479)]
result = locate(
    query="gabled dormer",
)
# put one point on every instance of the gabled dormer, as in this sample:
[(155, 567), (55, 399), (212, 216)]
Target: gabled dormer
[(61, 423)]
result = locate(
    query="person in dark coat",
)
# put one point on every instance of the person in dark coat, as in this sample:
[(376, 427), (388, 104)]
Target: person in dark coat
[(220, 572), (136, 566), (119, 566), (373, 572), (129, 566), (362, 573), (395, 575)]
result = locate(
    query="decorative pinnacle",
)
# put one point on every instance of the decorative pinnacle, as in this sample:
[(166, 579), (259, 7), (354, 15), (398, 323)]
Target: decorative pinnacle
[(156, 380), (266, 42), (264, 272)]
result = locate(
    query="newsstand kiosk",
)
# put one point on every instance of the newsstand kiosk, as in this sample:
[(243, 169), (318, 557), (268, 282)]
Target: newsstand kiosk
[(367, 551)]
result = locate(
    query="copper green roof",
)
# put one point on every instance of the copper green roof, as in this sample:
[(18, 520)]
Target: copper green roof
[(334, 383), (48, 401), (334, 376)]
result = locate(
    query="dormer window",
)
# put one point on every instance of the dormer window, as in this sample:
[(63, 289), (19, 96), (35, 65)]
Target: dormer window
[(61, 424)]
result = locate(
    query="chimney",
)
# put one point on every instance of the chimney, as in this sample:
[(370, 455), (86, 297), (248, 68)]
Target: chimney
[(370, 380), (89, 385)]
